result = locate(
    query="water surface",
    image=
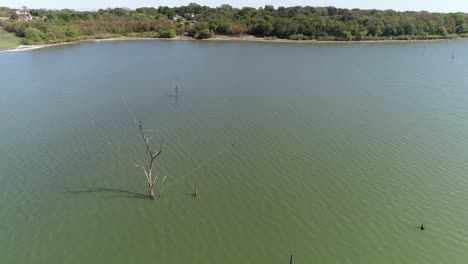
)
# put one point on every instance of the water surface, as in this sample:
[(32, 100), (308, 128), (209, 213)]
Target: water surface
[(341, 152)]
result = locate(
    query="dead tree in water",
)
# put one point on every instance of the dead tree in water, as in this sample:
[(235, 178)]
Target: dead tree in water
[(153, 155)]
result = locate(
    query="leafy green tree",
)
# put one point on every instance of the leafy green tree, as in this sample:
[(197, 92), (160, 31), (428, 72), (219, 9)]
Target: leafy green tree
[(13, 15), (5, 11), (442, 31), (169, 12), (167, 33), (262, 28), (204, 34), (34, 35), (71, 32), (236, 29), (462, 28), (55, 33)]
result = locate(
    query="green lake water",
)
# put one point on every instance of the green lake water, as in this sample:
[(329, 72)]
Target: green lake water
[(341, 152)]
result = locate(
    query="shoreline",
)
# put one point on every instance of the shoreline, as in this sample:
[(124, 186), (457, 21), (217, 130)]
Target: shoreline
[(41, 46), (244, 38), (314, 41)]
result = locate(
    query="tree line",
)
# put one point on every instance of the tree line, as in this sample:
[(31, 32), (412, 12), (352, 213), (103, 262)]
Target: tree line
[(296, 23)]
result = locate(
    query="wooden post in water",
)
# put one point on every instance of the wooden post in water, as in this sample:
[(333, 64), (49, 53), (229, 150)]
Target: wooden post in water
[(196, 191), (291, 259), (176, 88)]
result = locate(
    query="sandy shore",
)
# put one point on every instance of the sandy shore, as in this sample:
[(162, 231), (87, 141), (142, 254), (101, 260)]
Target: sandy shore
[(225, 38), (40, 46), (33, 47)]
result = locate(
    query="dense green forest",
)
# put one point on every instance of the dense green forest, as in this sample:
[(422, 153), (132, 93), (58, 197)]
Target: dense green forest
[(296, 23)]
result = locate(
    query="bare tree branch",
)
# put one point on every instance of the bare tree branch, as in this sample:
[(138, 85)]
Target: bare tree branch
[(155, 178), (162, 185), (147, 138)]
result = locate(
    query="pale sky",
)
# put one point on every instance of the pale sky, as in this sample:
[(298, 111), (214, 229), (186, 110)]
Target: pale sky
[(400, 5)]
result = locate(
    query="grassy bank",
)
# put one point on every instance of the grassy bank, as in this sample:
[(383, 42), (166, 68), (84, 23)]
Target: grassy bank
[(8, 40)]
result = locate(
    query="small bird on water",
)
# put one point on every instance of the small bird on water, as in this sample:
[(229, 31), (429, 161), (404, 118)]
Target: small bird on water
[(422, 227)]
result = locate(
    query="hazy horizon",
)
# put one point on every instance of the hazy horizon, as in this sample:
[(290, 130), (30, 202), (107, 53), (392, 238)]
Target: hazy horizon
[(397, 5)]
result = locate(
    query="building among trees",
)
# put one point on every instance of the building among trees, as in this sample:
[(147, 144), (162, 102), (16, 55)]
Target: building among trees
[(23, 15)]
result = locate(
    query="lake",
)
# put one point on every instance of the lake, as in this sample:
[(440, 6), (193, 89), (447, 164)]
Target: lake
[(335, 153)]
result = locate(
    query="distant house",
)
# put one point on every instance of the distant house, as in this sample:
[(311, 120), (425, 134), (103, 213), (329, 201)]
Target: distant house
[(23, 15), (193, 21), (181, 19)]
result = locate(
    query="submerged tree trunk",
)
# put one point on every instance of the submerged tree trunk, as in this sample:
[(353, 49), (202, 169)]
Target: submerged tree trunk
[(151, 191)]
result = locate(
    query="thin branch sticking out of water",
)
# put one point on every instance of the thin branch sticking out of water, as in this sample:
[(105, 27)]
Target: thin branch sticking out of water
[(196, 168)]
